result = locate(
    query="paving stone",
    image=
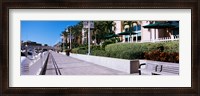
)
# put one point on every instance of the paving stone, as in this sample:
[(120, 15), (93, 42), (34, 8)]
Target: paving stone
[(72, 66)]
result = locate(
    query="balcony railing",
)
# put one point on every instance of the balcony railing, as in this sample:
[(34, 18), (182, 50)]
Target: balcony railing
[(164, 39)]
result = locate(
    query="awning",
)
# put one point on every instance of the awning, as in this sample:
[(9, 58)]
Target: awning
[(127, 33), (159, 25), (111, 36)]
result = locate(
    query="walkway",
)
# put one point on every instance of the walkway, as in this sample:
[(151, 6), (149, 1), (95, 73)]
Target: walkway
[(71, 66)]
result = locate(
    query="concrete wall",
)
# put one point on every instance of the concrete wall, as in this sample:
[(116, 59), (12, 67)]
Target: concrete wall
[(33, 67), (145, 32), (118, 27), (128, 66)]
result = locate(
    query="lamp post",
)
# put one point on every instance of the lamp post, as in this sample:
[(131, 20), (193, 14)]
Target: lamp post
[(88, 25), (26, 50), (70, 40), (70, 37), (62, 37), (88, 37)]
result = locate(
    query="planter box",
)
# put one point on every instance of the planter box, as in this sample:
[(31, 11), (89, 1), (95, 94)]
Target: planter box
[(128, 66)]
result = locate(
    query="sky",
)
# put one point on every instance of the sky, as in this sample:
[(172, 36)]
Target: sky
[(44, 32)]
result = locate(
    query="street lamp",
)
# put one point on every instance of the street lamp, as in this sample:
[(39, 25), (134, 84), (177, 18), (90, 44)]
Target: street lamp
[(70, 37), (88, 25), (62, 41), (26, 46)]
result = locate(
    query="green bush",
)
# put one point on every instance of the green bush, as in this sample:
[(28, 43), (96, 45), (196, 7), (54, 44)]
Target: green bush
[(160, 51), (79, 50), (138, 50), (157, 55), (126, 50), (75, 50), (106, 42), (82, 51), (99, 53), (96, 47)]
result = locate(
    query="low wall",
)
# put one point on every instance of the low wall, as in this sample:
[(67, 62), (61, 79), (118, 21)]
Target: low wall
[(33, 67), (128, 66)]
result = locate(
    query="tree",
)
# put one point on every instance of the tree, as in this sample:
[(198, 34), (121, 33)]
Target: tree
[(76, 32), (65, 35), (103, 28), (130, 24)]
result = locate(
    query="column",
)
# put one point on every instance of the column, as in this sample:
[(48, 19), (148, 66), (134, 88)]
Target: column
[(153, 35)]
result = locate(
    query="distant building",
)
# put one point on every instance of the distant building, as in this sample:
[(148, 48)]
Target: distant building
[(34, 45), (58, 46)]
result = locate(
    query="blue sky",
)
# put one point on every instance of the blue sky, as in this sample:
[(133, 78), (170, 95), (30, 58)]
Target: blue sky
[(44, 32)]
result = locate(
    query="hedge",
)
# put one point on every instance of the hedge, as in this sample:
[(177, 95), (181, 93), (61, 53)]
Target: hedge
[(159, 51), (165, 51)]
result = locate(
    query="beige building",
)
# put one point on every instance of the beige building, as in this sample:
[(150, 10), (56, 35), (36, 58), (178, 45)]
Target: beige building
[(156, 35), (147, 34), (143, 34)]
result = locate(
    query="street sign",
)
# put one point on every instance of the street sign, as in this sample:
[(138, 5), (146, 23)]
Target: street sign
[(91, 24), (86, 23)]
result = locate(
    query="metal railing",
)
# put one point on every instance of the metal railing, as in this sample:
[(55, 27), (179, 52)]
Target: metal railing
[(163, 39)]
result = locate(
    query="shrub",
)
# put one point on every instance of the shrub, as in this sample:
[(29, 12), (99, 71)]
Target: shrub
[(96, 47), (82, 51), (99, 53), (125, 50), (162, 51), (106, 42), (157, 55), (79, 50), (75, 50)]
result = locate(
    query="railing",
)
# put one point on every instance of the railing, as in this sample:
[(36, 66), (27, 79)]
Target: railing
[(164, 39)]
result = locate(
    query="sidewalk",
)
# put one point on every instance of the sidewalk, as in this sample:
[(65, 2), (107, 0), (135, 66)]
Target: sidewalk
[(72, 66)]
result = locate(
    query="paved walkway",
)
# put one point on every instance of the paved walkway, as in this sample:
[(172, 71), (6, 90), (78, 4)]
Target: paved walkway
[(72, 66)]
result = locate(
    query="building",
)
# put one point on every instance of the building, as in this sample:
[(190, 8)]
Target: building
[(143, 34), (30, 45), (58, 46), (149, 34), (159, 34)]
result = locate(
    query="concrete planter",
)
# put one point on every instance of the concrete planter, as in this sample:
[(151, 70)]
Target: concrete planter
[(128, 66)]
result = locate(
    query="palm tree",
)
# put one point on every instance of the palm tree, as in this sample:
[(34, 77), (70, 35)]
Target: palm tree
[(98, 31), (109, 25), (103, 28), (76, 31), (130, 24), (64, 35)]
